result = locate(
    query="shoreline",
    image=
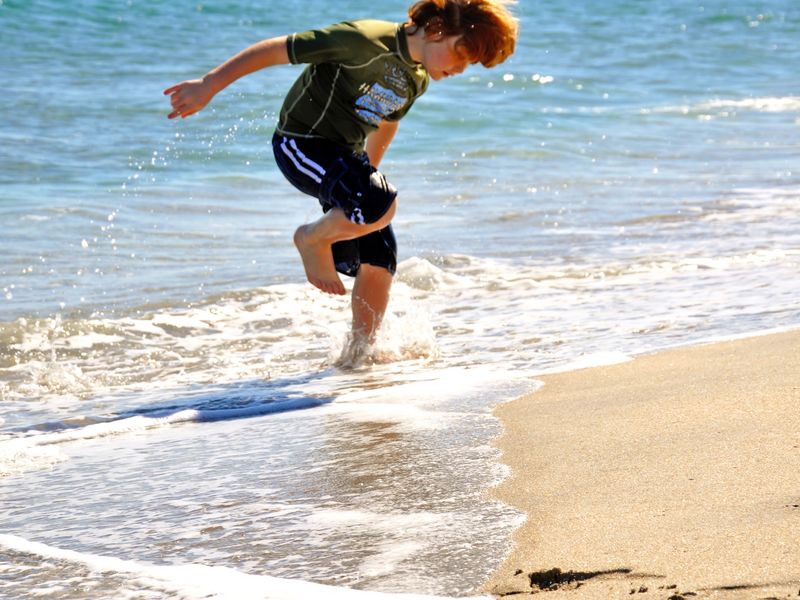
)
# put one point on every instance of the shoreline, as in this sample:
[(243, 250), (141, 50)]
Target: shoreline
[(673, 475)]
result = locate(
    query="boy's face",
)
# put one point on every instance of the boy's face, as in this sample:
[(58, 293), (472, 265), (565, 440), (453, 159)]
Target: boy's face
[(443, 58)]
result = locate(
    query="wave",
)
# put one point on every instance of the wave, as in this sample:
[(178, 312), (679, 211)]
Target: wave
[(197, 580), (766, 104), (723, 106), (283, 330), (265, 333), (34, 447), (716, 107), (59, 376)]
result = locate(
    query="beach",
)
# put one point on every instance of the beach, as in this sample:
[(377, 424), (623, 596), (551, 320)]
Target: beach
[(175, 416), (675, 475)]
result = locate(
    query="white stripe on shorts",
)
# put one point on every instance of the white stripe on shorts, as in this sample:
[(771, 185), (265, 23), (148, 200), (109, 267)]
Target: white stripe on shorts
[(300, 167), (305, 159)]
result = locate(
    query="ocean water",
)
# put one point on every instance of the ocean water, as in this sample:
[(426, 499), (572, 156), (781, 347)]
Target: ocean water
[(172, 419)]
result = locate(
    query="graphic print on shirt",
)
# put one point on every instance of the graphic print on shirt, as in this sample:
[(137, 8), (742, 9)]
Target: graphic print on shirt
[(379, 101), (396, 77)]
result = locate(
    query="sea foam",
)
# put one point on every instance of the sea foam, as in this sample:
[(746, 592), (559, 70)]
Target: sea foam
[(203, 581)]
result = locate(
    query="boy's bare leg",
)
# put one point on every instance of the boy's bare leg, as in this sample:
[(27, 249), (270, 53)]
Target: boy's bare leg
[(370, 299), (314, 242)]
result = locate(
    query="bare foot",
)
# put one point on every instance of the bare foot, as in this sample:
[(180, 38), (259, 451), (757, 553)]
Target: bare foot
[(318, 263)]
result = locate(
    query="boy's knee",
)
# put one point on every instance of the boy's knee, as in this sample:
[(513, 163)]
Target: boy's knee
[(387, 216), (375, 205)]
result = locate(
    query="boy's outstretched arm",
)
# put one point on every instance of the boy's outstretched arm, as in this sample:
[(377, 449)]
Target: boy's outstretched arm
[(189, 97), (378, 141)]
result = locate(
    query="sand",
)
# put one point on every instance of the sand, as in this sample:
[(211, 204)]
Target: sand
[(675, 475)]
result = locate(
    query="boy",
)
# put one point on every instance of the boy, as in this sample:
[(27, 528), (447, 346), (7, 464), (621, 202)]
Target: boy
[(340, 117)]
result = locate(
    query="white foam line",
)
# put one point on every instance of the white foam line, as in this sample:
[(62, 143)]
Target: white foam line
[(762, 104), (203, 581), (21, 454), (189, 415), (590, 361)]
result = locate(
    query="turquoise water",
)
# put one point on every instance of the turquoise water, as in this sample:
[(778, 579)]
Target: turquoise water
[(648, 107), (626, 182)]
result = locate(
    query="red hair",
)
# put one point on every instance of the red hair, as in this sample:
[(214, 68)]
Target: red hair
[(487, 28)]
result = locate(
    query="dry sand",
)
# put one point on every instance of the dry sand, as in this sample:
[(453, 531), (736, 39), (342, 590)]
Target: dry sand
[(676, 475)]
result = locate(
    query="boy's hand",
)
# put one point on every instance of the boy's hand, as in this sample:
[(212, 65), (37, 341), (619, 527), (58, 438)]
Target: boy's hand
[(189, 97)]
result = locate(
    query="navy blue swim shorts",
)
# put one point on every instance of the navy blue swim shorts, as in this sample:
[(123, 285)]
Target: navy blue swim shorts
[(341, 178)]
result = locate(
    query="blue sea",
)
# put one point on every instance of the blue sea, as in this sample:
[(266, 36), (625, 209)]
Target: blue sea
[(175, 420)]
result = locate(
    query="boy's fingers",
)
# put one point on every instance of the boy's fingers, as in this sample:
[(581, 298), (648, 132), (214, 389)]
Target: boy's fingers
[(182, 113), (178, 111), (171, 90)]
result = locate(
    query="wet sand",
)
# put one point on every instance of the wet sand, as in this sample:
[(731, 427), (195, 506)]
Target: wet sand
[(676, 475)]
